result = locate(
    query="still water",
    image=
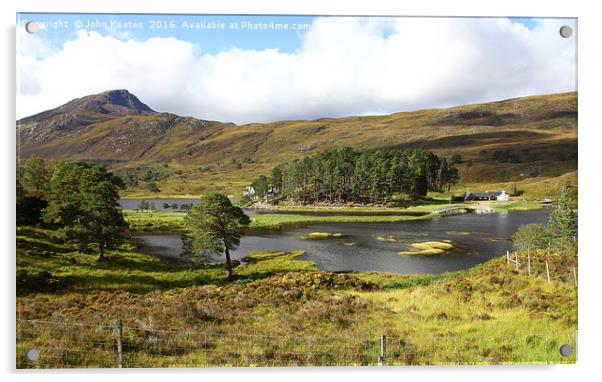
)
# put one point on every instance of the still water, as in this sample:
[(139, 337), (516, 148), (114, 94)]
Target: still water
[(479, 237), (132, 204)]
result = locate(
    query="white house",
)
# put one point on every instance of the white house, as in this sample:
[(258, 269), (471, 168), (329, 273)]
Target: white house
[(503, 196), (499, 195), (249, 192)]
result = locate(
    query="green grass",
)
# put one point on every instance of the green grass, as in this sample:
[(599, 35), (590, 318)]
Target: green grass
[(497, 310), (518, 205), (174, 221), (389, 238), (45, 263), (278, 221), (530, 188), (322, 235), (429, 248), (259, 264), (166, 221), (285, 310)]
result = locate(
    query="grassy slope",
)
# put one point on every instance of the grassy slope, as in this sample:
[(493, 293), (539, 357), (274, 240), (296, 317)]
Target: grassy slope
[(488, 314), (543, 126), (531, 188), (40, 250), (541, 129)]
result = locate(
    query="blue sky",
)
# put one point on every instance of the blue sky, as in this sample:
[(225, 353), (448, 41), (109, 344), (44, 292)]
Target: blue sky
[(318, 67), (529, 22), (210, 40)]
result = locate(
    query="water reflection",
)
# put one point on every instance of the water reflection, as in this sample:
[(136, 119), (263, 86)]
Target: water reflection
[(480, 237)]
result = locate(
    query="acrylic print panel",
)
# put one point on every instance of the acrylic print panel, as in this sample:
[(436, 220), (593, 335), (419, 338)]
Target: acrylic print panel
[(228, 190)]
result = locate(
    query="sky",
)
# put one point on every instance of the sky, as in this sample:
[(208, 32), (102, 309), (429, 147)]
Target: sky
[(245, 69)]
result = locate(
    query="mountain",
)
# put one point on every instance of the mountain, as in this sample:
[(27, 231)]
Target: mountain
[(498, 141), (80, 113), (110, 103)]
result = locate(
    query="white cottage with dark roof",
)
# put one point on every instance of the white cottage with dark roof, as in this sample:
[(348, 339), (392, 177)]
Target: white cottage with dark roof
[(497, 195)]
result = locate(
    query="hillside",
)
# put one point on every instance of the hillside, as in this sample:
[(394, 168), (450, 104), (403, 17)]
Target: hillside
[(517, 140)]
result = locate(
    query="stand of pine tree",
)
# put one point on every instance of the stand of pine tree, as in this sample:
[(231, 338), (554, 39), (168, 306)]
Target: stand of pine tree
[(346, 175)]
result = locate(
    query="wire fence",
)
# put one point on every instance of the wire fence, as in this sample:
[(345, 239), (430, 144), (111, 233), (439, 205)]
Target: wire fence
[(48, 344), (549, 267)]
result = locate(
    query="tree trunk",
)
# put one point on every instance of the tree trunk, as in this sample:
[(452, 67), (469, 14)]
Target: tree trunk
[(101, 254), (229, 266)]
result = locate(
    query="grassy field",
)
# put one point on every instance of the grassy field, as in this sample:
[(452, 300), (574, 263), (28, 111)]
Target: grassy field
[(174, 221), (531, 189), (282, 311), (46, 264)]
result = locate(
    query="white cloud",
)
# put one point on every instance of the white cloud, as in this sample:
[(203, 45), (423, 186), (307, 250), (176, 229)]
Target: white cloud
[(345, 66)]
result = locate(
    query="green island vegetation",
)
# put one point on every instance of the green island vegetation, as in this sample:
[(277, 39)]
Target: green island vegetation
[(322, 235), (429, 248), (170, 221), (390, 238)]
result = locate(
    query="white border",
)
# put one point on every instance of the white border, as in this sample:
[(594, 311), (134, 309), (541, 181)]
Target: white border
[(590, 121)]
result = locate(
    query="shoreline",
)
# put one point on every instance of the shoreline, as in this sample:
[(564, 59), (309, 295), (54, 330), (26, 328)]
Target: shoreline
[(172, 221)]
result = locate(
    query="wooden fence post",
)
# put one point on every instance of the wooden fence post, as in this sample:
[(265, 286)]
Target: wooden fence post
[(548, 271), (561, 246), (508, 257), (119, 337), (382, 359), (516, 261), (575, 275), (529, 263)]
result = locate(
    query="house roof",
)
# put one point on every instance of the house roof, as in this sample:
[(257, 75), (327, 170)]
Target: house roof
[(484, 194)]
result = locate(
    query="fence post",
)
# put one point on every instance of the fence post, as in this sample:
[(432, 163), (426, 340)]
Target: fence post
[(119, 337), (508, 257), (548, 271), (382, 359), (516, 261), (529, 263), (575, 275), (561, 246), (576, 343)]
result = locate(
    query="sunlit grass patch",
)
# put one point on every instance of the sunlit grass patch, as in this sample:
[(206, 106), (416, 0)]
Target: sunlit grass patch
[(389, 238), (173, 221), (279, 221), (518, 205), (273, 262), (321, 235), (430, 248)]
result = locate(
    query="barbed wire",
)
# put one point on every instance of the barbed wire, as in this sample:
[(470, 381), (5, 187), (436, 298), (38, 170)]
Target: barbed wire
[(63, 344), (276, 336)]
